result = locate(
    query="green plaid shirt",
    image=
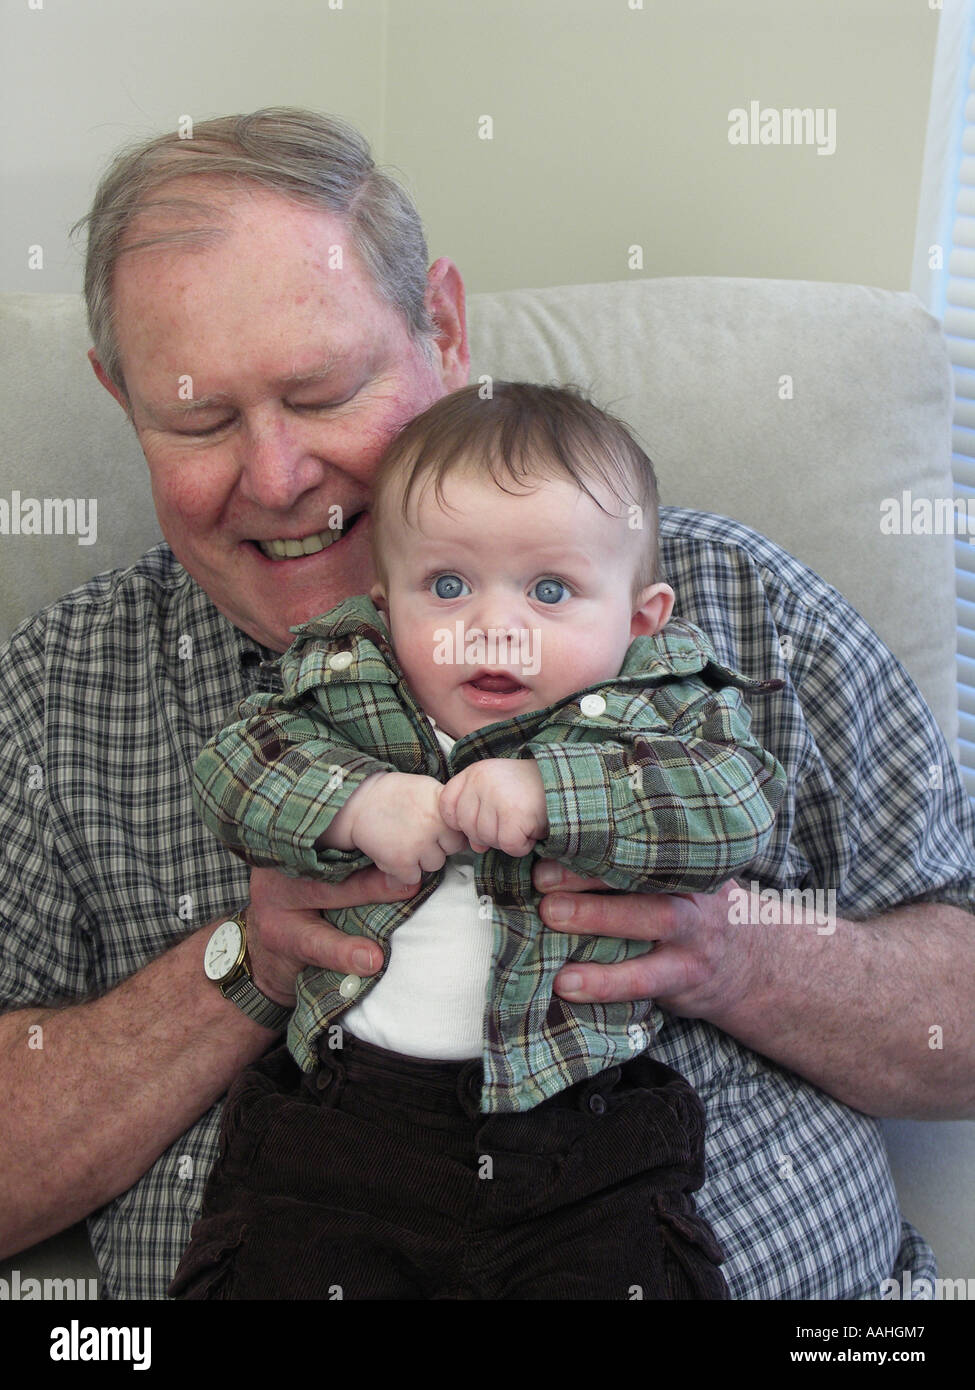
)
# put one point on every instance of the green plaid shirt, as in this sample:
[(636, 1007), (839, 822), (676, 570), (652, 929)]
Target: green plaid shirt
[(653, 782)]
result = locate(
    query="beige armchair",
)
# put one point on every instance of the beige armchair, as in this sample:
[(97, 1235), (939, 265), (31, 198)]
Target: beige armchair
[(795, 407)]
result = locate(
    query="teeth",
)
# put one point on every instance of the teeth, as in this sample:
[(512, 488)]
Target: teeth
[(286, 550)]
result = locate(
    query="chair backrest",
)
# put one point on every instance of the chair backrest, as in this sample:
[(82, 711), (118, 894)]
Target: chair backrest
[(794, 406)]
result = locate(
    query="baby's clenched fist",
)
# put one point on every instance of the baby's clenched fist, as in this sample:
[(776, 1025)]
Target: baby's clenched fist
[(394, 818), (497, 803)]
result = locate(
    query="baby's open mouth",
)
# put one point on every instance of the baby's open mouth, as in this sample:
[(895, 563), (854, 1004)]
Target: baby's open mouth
[(308, 545), (498, 684)]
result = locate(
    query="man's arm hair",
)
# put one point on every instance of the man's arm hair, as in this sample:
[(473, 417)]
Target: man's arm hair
[(94, 1092)]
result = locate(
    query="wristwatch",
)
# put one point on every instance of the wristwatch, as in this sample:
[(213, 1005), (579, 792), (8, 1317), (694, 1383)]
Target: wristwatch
[(227, 964)]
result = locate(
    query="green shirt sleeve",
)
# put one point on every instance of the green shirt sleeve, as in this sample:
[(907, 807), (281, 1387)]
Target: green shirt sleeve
[(674, 809), (270, 784)]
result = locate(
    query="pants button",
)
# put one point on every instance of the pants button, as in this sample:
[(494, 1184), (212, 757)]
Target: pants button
[(597, 1104)]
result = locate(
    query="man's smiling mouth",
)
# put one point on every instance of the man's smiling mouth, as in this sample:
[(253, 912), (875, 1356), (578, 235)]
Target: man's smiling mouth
[(308, 545)]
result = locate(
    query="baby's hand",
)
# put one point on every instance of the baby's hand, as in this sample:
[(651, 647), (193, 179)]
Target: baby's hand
[(498, 802), (394, 818)]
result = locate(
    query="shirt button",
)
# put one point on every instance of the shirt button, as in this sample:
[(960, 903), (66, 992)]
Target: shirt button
[(340, 661), (592, 705), (349, 987)]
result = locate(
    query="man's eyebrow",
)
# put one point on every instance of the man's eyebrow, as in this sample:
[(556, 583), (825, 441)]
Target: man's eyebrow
[(200, 403), (319, 372)]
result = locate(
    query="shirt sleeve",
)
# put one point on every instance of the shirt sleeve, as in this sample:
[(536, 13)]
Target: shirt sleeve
[(675, 810), (46, 941), (269, 785), (875, 809)]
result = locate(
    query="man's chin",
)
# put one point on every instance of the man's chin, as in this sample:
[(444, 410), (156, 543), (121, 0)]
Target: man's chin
[(271, 625), (266, 598)]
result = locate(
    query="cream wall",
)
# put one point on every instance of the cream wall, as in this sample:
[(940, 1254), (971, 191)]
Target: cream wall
[(610, 123)]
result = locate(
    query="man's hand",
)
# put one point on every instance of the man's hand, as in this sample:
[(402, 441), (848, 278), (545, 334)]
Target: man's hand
[(497, 803), (810, 996), (695, 971), (286, 932)]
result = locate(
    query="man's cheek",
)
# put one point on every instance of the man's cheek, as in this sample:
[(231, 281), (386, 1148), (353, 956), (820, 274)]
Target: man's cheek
[(190, 493)]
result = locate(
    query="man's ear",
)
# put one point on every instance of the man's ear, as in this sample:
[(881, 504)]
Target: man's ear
[(652, 610), (445, 304), (108, 384)]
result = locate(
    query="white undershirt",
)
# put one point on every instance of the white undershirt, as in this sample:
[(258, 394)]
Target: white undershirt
[(430, 1002)]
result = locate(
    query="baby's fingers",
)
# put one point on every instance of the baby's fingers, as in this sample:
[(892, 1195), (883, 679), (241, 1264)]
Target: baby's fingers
[(452, 841), (447, 804)]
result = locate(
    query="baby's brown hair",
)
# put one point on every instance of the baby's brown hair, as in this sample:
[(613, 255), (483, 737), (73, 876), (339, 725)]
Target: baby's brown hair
[(517, 432)]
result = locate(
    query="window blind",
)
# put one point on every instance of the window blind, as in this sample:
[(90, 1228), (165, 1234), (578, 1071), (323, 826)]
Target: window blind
[(944, 276)]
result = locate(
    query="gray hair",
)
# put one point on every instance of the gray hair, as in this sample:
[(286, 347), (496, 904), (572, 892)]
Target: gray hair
[(313, 159)]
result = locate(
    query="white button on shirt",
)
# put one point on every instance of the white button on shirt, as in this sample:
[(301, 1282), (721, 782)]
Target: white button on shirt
[(592, 705), (339, 661)]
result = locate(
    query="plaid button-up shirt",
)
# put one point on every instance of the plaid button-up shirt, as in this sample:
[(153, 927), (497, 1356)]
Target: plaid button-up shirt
[(107, 697), (653, 782)]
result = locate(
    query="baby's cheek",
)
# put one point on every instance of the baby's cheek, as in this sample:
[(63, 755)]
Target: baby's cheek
[(429, 680)]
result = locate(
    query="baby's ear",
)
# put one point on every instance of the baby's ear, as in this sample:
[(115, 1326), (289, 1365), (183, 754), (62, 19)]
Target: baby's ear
[(378, 595), (652, 610)]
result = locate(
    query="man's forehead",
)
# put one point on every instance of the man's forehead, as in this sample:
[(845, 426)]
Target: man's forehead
[(198, 213), (238, 259)]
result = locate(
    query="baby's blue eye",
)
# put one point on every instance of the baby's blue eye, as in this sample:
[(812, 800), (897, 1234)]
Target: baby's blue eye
[(449, 586), (550, 591)]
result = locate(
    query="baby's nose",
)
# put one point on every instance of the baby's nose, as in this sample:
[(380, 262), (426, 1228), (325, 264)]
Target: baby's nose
[(502, 613)]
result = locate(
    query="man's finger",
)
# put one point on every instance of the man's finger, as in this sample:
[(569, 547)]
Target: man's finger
[(365, 886), (603, 984), (664, 975), (636, 916), (548, 874), (297, 940)]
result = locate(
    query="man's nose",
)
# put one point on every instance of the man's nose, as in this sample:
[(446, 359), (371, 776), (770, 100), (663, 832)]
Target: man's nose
[(276, 465)]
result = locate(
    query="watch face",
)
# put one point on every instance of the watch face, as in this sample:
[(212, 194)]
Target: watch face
[(224, 951)]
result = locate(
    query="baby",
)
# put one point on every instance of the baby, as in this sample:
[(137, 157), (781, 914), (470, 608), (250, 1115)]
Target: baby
[(513, 687)]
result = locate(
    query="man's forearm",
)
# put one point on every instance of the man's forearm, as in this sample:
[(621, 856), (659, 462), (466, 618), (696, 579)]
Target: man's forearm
[(880, 1014), (105, 1087)]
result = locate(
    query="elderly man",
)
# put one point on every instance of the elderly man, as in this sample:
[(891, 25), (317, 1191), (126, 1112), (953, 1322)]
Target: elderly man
[(261, 309)]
